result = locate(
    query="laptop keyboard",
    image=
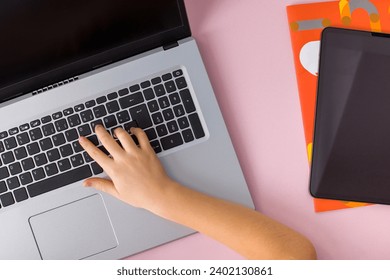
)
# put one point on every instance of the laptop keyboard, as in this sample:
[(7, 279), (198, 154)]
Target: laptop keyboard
[(44, 154)]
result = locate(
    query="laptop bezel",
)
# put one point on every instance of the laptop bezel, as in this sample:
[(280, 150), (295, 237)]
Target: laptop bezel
[(94, 62)]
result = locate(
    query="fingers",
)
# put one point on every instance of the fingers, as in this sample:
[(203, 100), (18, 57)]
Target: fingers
[(125, 139), (95, 153), (101, 184), (142, 138), (108, 142)]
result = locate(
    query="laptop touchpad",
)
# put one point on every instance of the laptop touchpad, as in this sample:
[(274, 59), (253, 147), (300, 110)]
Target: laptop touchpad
[(74, 231)]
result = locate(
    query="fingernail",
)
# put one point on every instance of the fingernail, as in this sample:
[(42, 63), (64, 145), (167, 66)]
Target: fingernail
[(81, 139), (86, 183)]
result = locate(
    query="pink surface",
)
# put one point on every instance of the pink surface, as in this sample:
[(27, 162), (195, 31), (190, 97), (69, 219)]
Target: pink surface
[(247, 52)]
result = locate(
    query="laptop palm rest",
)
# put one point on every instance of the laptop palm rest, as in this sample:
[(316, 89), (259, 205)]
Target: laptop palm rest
[(74, 231)]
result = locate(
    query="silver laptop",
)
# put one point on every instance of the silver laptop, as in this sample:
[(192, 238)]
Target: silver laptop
[(67, 66)]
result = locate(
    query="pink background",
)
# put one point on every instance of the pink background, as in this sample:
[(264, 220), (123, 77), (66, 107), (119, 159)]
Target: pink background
[(247, 52)]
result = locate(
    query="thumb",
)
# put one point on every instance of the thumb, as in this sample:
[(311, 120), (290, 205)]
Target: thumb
[(101, 184)]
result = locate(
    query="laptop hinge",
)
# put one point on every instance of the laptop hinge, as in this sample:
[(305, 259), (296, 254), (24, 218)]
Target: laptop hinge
[(170, 46)]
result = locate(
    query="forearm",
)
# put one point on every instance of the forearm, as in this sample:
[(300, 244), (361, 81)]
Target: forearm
[(246, 231)]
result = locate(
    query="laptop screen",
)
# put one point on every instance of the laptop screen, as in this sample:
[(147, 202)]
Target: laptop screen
[(40, 36)]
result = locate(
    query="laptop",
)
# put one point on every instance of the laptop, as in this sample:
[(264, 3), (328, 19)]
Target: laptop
[(67, 66)]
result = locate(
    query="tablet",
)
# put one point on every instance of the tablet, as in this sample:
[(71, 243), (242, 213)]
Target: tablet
[(351, 148)]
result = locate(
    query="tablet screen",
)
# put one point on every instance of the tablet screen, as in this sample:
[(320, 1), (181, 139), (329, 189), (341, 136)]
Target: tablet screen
[(351, 150)]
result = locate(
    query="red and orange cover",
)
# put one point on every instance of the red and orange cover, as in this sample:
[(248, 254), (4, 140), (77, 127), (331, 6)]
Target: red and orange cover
[(306, 24)]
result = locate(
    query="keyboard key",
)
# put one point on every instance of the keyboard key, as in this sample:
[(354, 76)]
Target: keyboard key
[(58, 139), (59, 181), (25, 178), (79, 107), (7, 199), (187, 101), (3, 187), (66, 150), (87, 157), (93, 139), (45, 144), (149, 94), (187, 135), (48, 129), (40, 159), (46, 119), (27, 164), (35, 134), (3, 173), (74, 120), (129, 125), (51, 169), (157, 118), (170, 86), (71, 135), (95, 123), (77, 147), (15, 168), (123, 117), (134, 88), (57, 115), (163, 102), (172, 126), (177, 73), (86, 116), (2, 149), (145, 84), (162, 130), (141, 115), (156, 80), (168, 114), (156, 146), (64, 165), (179, 111), (77, 160), (13, 131), (3, 134), (20, 194), (153, 106), (8, 157), (90, 103), (167, 77), (35, 123), (151, 133), (112, 107), (10, 143), (159, 90), (96, 168), (33, 149), (112, 96), (110, 121), (23, 138), (68, 112), (181, 83), (196, 125), (61, 125), (131, 100), (53, 155), (99, 111), (101, 100), (174, 98), (84, 130), (171, 141), (13, 183), (38, 174), (123, 92), (24, 127)]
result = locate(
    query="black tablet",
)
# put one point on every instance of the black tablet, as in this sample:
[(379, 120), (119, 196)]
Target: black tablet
[(351, 149)]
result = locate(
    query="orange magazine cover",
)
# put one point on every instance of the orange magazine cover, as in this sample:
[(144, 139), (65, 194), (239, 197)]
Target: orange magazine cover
[(306, 23)]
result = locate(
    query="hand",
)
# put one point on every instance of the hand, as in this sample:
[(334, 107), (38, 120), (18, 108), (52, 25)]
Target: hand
[(137, 176)]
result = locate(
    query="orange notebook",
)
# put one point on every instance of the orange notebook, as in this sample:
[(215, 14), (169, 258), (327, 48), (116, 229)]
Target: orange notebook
[(306, 24)]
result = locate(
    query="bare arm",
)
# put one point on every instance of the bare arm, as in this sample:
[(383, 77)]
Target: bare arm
[(138, 178)]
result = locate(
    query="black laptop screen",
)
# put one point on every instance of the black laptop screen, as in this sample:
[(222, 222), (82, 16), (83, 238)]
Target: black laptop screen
[(42, 35)]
